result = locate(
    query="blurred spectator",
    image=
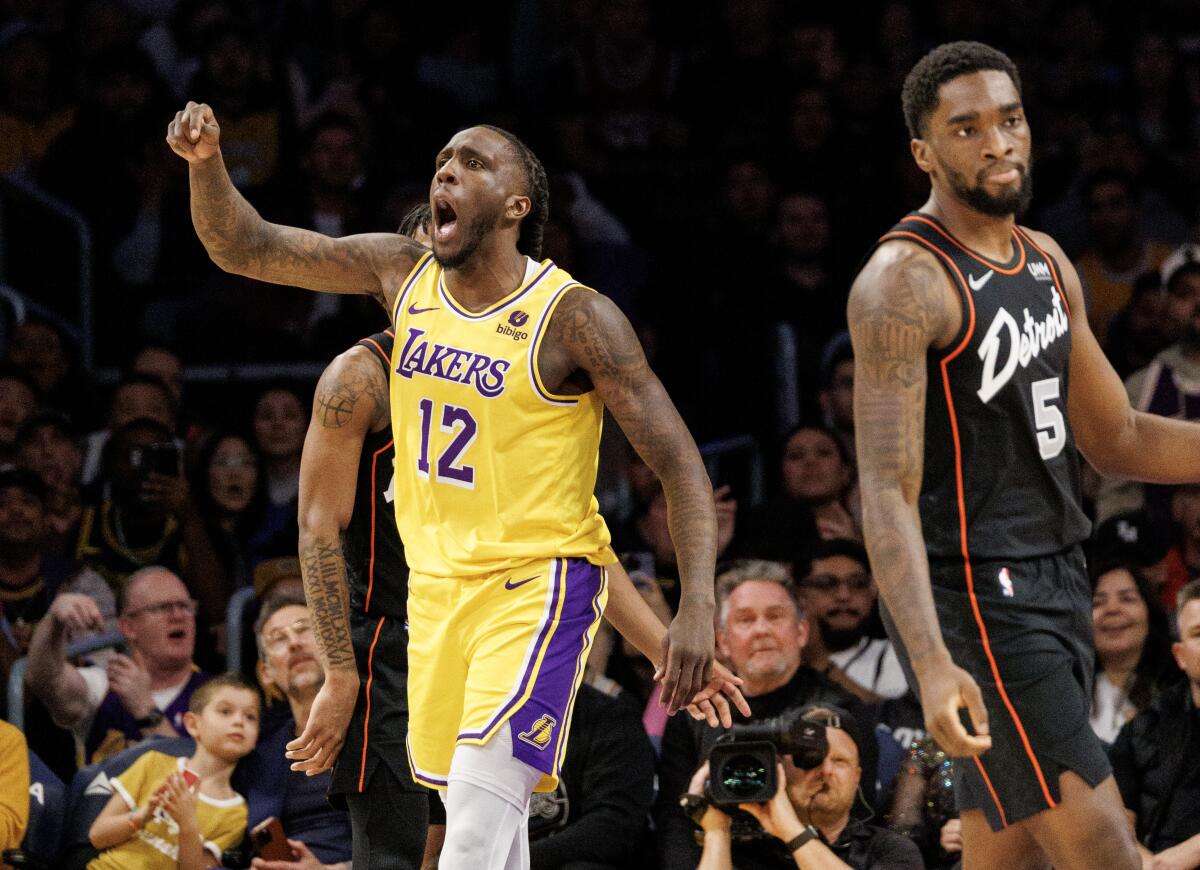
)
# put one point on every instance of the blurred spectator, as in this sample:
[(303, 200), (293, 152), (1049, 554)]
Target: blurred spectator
[(35, 107), (141, 691), (234, 76), (18, 402), (43, 350), (839, 597), (761, 631), (746, 205), (1119, 252), (923, 808), (1141, 329), (146, 516), (653, 551), (14, 787), (817, 801), (597, 816), (816, 476), (280, 421), (1169, 386), (1183, 559), (136, 396), (1133, 640), (160, 361), (804, 291), (1154, 757), (231, 496), (48, 446), (319, 835), (837, 388), (1139, 541)]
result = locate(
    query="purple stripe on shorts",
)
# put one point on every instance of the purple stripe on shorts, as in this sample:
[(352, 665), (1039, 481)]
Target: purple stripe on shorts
[(538, 726), (581, 662), (548, 628)]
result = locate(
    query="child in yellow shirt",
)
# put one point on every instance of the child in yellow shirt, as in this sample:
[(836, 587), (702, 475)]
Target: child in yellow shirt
[(167, 812)]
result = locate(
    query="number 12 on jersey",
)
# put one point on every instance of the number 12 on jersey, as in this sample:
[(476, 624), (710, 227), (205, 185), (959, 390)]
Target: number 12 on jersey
[(448, 467)]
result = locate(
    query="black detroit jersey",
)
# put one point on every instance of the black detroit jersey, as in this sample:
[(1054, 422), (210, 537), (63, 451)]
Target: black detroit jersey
[(375, 565), (1001, 477)]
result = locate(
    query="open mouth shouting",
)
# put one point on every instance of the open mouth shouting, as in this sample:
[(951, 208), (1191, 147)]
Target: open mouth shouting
[(445, 220)]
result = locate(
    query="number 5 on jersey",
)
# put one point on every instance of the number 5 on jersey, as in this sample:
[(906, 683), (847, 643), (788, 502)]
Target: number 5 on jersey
[(454, 421), (1048, 419)]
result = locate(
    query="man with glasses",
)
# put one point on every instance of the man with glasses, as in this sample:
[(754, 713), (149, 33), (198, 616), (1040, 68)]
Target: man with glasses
[(319, 835), (761, 633), (839, 597), (141, 690)]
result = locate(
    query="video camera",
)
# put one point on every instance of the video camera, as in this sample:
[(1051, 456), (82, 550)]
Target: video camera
[(742, 763)]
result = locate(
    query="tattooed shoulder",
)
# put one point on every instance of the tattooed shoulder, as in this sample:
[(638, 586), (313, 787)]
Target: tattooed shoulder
[(354, 383), (901, 304), (597, 336)]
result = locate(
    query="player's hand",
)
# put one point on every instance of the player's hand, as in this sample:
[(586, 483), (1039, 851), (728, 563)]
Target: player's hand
[(194, 134), (76, 613), (316, 749), (687, 657), (946, 689), (711, 703), (302, 859)]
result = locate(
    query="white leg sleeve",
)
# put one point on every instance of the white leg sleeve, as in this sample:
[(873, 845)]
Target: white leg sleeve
[(487, 802)]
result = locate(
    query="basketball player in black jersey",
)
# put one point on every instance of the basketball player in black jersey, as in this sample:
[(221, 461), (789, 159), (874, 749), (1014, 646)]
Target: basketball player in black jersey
[(966, 330)]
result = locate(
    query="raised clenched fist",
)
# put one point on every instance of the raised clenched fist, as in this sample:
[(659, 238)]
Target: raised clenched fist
[(194, 134)]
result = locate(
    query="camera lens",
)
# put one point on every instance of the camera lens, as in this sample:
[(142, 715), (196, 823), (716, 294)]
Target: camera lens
[(744, 776)]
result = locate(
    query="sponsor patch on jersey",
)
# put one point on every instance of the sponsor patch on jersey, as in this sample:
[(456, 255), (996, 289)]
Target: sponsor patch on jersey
[(1040, 271)]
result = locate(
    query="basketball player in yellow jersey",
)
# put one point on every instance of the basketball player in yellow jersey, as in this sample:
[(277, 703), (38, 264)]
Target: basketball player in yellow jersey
[(502, 370)]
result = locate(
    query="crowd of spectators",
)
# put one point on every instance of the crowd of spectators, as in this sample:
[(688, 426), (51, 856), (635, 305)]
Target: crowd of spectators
[(765, 134)]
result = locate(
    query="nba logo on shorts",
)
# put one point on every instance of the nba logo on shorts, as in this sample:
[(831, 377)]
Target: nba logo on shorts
[(538, 735), (1006, 583)]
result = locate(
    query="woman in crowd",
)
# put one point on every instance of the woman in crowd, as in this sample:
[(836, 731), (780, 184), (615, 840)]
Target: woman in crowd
[(1133, 647), (280, 421), (816, 498), (232, 497)]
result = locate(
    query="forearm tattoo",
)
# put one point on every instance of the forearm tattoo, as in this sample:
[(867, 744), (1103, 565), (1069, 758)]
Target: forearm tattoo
[(323, 567)]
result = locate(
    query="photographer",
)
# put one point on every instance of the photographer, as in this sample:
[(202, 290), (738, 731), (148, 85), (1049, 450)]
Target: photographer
[(761, 631), (808, 819)]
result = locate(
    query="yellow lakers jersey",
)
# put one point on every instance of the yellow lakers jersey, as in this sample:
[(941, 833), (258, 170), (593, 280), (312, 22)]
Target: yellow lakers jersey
[(492, 469)]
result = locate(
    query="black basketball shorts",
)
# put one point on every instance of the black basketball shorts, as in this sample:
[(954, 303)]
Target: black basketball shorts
[(1023, 630)]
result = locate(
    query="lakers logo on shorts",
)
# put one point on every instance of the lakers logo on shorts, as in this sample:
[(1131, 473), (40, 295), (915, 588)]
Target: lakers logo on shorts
[(538, 735)]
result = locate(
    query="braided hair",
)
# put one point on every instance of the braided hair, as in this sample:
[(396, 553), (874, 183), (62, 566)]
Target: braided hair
[(530, 240)]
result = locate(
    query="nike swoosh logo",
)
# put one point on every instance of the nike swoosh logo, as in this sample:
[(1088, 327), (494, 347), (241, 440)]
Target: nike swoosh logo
[(509, 584), (977, 283), (412, 309)]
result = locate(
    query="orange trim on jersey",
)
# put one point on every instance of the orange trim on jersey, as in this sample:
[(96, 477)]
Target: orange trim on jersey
[(988, 782), (377, 346), (389, 333), (362, 770), (1014, 270), (962, 525), (1053, 269), (371, 561)]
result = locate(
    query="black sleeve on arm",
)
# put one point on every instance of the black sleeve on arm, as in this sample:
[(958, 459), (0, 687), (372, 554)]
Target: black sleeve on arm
[(677, 848), (616, 780)]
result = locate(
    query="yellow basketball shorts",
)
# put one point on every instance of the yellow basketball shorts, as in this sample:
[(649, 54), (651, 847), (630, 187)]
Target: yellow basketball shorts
[(496, 648)]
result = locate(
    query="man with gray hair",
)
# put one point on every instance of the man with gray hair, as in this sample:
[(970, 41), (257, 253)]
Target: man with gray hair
[(761, 632)]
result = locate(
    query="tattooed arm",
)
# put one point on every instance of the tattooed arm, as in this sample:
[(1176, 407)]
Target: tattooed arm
[(593, 343), (351, 400), (240, 241), (900, 306)]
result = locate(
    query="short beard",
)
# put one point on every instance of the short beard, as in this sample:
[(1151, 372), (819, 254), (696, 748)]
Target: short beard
[(838, 639), (1014, 203), (473, 234)]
